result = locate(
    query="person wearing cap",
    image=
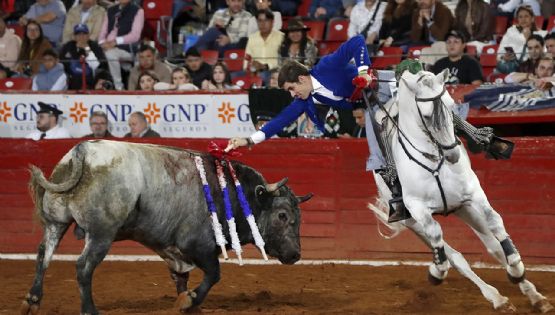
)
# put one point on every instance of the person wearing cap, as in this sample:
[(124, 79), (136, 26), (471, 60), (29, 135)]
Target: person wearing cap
[(462, 68), (51, 15), (263, 46), (199, 70), (47, 124), (86, 12), (513, 44), (264, 5), (297, 45), (51, 76), (80, 54)]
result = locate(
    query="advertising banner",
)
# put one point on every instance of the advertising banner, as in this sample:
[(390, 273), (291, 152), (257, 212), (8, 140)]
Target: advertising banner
[(173, 116)]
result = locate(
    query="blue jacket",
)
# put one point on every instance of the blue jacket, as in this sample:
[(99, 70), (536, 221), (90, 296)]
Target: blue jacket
[(334, 72)]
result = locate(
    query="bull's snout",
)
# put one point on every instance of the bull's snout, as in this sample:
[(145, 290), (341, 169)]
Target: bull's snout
[(290, 258)]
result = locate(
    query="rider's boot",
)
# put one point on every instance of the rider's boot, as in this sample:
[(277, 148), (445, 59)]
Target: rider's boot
[(397, 209)]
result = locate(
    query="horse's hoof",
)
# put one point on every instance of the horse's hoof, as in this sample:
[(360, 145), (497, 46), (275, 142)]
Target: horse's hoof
[(543, 306), (185, 300), (433, 280), (506, 308), (35, 309), (27, 308)]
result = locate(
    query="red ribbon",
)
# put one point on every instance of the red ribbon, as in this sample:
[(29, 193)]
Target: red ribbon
[(217, 150)]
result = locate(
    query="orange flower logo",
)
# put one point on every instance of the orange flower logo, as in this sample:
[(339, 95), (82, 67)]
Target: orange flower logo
[(226, 112), (5, 112), (78, 112), (152, 113)]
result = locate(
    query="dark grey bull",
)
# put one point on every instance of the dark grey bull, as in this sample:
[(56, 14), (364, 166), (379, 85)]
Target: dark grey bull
[(153, 195)]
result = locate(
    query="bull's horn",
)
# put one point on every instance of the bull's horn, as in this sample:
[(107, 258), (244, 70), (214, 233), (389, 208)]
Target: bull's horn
[(274, 187), (304, 198)]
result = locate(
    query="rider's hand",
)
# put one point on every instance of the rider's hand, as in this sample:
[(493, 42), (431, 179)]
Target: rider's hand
[(235, 143), (363, 80)]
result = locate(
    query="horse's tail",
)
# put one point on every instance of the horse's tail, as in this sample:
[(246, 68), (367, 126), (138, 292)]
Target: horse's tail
[(381, 209)]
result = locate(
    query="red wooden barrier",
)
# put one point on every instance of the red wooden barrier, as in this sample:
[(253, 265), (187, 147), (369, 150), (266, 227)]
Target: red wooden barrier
[(336, 222)]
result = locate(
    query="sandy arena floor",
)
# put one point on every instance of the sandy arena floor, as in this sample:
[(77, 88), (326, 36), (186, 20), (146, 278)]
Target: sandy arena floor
[(146, 288)]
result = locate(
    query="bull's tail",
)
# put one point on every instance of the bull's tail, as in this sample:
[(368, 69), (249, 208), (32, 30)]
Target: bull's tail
[(381, 210), (39, 184)]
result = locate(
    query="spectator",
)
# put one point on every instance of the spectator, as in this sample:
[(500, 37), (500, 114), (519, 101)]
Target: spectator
[(148, 61), (120, 35), (511, 5), (82, 47), (220, 79), (264, 5), (366, 20), (89, 13), (274, 73), (103, 81), (32, 47), (396, 23), (325, 9), (297, 45), (228, 28), (515, 40), (544, 74), (10, 45), (359, 131), (51, 15), (549, 40), (5, 72), (198, 69), (431, 22), (99, 126), (51, 76), (47, 124), (181, 81), (146, 81), (139, 128), (263, 46), (475, 19), (262, 118), (534, 46), (462, 68)]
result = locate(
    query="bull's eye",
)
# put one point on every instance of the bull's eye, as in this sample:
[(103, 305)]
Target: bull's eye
[(283, 217)]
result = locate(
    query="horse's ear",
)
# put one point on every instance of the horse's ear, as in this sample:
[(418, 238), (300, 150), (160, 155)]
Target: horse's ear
[(443, 76), (410, 80)]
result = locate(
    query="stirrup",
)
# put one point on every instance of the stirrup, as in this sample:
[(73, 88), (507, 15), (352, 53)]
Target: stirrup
[(397, 210)]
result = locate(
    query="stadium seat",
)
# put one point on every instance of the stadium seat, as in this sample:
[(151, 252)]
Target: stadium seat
[(337, 29), (234, 59), (488, 59), (246, 82), (501, 23), (302, 10), (317, 29), (550, 23), (387, 57), (415, 51), (154, 9), (209, 56), (472, 51), (17, 29), (327, 47), (13, 84)]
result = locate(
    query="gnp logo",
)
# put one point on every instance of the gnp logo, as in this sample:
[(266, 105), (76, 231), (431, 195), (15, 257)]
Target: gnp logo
[(5, 112), (78, 112), (152, 113), (226, 112)]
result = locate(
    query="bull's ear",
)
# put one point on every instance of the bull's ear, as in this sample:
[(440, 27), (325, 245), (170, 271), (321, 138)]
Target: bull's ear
[(304, 198)]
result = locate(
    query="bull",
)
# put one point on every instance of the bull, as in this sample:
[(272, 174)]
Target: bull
[(153, 195)]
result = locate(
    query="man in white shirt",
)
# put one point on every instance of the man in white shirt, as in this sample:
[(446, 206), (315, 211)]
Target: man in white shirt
[(47, 124)]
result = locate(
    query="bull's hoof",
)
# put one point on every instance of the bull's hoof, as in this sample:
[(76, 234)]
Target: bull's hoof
[(433, 280), (543, 306), (185, 300), (29, 306), (516, 280), (506, 308)]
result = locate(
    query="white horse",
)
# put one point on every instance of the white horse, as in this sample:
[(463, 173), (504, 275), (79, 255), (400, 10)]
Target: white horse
[(436, 178)]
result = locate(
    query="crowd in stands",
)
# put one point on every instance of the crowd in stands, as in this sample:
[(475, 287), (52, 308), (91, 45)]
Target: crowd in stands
[(103, 44)]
